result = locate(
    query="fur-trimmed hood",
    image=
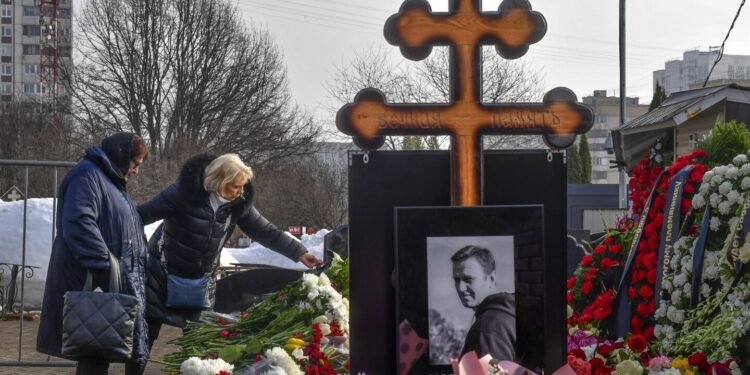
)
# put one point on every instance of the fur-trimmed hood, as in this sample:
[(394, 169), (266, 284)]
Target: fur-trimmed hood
[(190, 184)]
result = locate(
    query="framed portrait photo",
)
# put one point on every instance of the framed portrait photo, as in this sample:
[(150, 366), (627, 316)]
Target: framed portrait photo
[(470, 279)]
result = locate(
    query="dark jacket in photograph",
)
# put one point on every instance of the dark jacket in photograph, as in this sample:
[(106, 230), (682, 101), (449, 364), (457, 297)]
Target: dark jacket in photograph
[(95, 216), (493, 331)]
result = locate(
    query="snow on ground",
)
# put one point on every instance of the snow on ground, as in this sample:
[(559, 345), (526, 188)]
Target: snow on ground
[(39, 246)]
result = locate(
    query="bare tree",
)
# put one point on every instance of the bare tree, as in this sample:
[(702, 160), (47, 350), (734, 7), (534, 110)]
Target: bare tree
[(28, 132), (428, 82), (189, 76)]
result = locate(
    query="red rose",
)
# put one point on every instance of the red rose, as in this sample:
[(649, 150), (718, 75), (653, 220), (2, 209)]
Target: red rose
[(597, 364), (570, 297), (604, 350), (636, 324), (642, 310), (225, 333), (651, 258), (649, 334), (615, 249), (632, 293), (652, 276), (586, 288), (699, 360), (587, 261), (609, 240), (571, 282), (646, 292), (688, 190), (578, 353), (600, 249), (637, 343), (685, 206), (606, 264)]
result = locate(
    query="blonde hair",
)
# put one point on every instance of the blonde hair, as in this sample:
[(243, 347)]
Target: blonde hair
[(223, 170)]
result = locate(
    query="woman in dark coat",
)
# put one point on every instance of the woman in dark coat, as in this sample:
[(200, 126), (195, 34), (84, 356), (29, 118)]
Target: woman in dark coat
[(95, 216), (211, 196)]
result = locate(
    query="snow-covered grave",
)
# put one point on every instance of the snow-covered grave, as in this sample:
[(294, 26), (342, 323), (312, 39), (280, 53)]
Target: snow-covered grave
[(39, 246)]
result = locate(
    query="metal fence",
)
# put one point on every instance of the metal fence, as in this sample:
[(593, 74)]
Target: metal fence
[(23, 270)]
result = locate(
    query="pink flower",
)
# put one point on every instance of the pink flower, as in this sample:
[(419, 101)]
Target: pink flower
[(659, 363)]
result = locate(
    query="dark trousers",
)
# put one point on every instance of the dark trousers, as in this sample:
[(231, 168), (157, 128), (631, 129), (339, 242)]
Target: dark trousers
[(101, 367)]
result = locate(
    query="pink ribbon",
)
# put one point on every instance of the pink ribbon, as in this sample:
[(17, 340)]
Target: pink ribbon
[(470, 364)]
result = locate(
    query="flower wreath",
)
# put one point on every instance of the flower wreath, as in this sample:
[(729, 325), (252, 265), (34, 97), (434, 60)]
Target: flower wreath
[(718, 323)]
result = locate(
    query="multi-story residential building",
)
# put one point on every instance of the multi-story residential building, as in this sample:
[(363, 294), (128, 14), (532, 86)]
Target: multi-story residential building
[(606, 118), (20, 48), (678, 75)]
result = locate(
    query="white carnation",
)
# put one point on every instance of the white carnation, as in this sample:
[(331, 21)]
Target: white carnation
[(725, 188), (745, 169), (733, 196), (279, 357), (676, 315), (724, 207), (680, 280), (739, 159), (676, 296), (745, 182), (708, 176), (715, 180), (714, 199), (732, 172), (699, 201), (714, 223), (720, 170)]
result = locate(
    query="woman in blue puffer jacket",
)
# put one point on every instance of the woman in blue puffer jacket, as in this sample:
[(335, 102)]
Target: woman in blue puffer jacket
[(95, 216)]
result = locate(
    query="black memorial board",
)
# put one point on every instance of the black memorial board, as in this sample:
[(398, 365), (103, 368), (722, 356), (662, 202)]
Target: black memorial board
[(393, 179)]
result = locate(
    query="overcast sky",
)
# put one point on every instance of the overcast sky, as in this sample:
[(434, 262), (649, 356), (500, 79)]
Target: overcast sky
[(579, 51)]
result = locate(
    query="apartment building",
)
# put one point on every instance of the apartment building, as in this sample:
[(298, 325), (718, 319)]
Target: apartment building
[(683, 74)]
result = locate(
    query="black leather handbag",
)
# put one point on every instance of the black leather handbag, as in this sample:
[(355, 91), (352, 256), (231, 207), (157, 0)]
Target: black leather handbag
[(99, 324)]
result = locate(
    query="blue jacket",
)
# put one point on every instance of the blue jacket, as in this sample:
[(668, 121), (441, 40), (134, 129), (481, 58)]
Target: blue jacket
[(95, 216)]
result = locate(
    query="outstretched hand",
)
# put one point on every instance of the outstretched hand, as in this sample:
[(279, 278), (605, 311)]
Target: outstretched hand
[(309, 260)]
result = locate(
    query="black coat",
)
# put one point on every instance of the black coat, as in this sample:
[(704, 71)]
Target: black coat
[(193, 233), (95, 216), (494, 329)]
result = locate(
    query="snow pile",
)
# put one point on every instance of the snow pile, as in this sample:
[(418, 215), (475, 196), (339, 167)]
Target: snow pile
[(39, 247)]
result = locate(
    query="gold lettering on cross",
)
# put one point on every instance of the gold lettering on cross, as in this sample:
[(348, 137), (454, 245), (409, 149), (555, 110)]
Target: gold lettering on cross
[(465, 28)]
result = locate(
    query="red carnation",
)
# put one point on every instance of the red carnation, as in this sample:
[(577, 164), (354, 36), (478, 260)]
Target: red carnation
[(587, 261), (578, 353), (615, 249), (600, 249), (637, 343), (570, 297), (586, 288), (571, 282), (652, 276), (646, 292)]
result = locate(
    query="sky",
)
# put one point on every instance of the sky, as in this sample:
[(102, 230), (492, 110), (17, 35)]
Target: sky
[(579, 51)]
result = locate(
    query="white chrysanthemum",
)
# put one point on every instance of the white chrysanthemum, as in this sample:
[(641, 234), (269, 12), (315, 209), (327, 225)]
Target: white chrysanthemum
[(724, 208), (732, 172), (714, 199), (666, 284), (720, 170), (699, 201), (739, 159), (279, 357), (687, 262), (716, 180), (733, 196), (679, 280), (725, 188), (713, 224), (704, 188), (676, 296), (745, 182), (675, 315), (309, 280), (323, 280), (733, 221), (661, 311), (708, 176)]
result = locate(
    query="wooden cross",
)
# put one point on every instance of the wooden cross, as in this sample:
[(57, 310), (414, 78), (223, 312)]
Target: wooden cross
[(464, 28)]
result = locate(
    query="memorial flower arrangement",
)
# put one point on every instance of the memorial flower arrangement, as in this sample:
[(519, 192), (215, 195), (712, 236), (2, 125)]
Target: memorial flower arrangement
[(717, 325), (643, 276), (197, 366), (303, 329)]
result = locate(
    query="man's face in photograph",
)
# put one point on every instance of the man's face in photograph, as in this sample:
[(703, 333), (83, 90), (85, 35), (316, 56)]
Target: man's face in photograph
[(472, 283)]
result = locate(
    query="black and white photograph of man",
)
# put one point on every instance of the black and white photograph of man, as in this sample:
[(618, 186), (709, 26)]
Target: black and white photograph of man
[(471, 297)]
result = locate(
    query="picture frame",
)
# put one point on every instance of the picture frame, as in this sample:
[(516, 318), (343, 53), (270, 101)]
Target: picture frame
[(449, 294)]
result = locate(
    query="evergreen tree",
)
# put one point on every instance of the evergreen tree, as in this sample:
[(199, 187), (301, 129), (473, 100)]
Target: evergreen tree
[(585, 160), (574, 164), (658, 98)]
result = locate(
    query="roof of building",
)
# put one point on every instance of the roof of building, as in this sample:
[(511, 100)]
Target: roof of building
[(678, 103)]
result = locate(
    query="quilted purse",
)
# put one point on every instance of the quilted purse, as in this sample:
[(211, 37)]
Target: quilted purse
[(99, 324)]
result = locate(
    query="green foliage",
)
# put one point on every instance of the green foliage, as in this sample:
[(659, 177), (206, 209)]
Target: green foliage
[(585, 159), (658, 98), (574, 164), (726, 140)]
